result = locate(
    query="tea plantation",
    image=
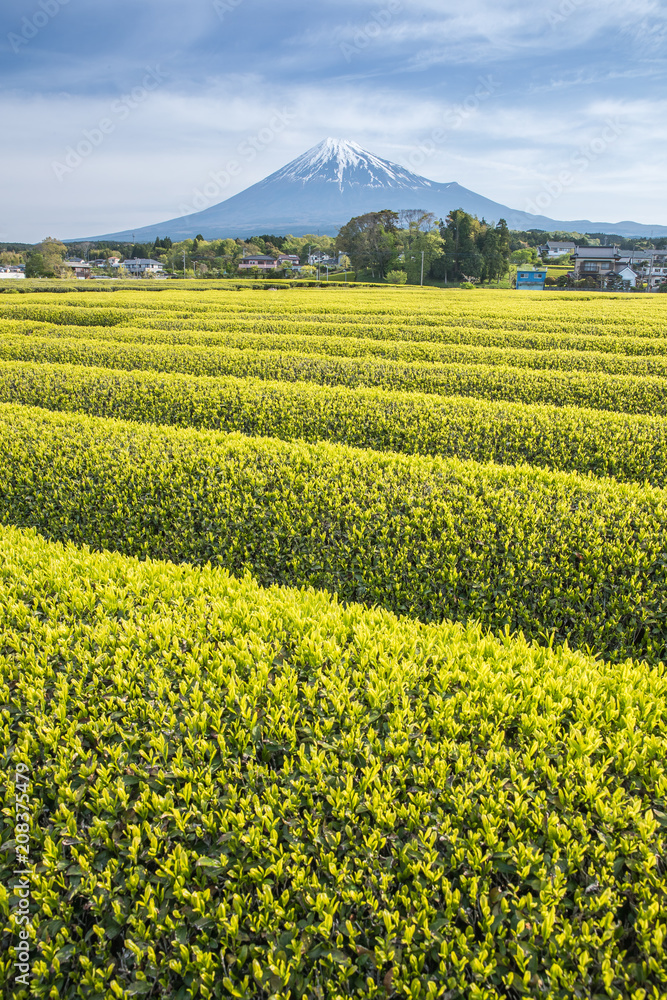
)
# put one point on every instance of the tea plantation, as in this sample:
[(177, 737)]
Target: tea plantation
[(333, 642)]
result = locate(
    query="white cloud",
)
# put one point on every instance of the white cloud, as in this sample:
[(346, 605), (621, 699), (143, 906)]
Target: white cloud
[(556, 85)]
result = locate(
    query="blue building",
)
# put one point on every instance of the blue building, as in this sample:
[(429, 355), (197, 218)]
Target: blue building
[(529, 278)]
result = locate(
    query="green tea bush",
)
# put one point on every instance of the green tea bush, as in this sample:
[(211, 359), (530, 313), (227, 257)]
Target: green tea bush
[(560, 557), (630, 448), (618, 356), (595, 390), (236, 792)]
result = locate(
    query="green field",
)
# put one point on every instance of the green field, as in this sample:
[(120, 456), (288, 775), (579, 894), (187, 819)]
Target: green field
[(334, 630)]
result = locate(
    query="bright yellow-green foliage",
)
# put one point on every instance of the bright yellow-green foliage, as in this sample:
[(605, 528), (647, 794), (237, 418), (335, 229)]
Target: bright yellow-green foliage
[(247, 793), (278, 794), (597, 390), (548, 553), (349, 339), (571, 357), (630, 448)]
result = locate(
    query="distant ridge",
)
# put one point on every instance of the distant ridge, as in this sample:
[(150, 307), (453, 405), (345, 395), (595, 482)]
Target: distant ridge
[(337, 179)]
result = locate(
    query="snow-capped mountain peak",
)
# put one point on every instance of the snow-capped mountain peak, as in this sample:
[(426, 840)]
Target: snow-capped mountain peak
[(336, 180), (344, 163)]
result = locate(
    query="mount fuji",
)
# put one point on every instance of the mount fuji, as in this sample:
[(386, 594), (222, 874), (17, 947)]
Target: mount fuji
[(332, 182)]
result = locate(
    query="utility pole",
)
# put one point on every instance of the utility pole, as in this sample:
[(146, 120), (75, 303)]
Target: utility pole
[(650, 273), (422, 278), (184, 263)]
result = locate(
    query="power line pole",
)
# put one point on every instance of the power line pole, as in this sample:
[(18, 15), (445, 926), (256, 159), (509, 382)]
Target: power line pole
[(422, 278)]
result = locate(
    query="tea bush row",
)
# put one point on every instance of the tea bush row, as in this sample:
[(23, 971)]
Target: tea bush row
[(613, 355), (238, 792), (596, 390), (630, 448), (558, 556)]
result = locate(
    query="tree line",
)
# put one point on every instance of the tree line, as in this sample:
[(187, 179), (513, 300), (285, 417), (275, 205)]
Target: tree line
[(412, 246)]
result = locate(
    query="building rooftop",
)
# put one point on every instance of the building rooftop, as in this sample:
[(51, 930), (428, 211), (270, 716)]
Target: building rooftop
[(599, 253)]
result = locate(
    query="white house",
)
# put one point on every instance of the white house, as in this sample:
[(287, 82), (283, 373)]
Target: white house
[(321, 257), (554, 248), (139, 267), (627, 275), (649, 265), (12, 272)]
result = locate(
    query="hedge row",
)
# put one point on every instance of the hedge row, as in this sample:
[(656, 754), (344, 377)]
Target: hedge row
[(630, 448), (595, 390), (244, 793), (379, 307), (613, 355), (375, 313), (552, 554)]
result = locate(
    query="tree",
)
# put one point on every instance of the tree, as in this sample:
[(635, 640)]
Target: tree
[(472, 248), (396, 277), (527, 255), (464, 259), (431, 245), (418, 236), (52, 253), (370, 241), (35, 267), (9, 259), (415, 219)]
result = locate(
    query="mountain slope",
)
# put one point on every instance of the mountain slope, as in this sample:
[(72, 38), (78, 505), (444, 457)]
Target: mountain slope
[(337, 179)]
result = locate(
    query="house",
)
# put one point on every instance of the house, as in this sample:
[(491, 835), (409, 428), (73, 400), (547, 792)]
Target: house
[(288, 260), (593, 262), (139, 267), (531, 278), (320, 258), (553, 248), (259, 260), (625, 274), (650, 266), (81, 268), (12, 272)]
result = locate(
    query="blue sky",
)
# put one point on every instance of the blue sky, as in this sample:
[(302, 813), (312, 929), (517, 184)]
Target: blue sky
[(116, 113)]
